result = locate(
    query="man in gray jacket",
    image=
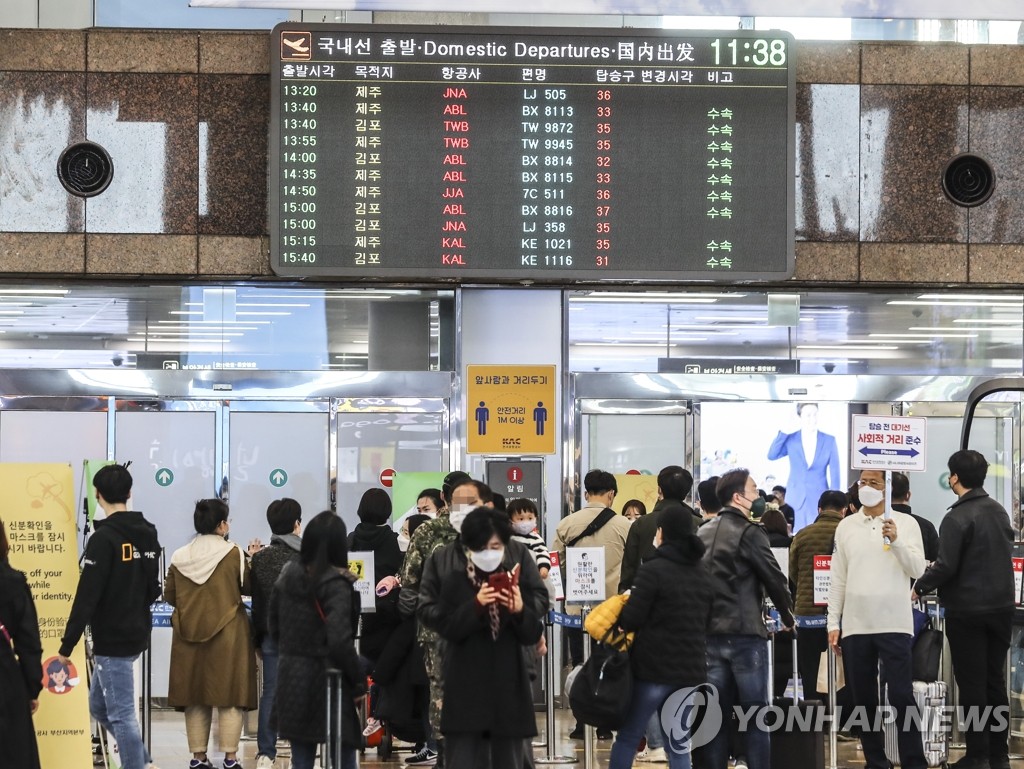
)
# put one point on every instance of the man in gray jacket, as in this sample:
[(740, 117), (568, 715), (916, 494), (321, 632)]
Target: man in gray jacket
[(974, 576), (742, 569)]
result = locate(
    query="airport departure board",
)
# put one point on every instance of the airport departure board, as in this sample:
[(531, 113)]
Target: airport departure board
[(559, 156)]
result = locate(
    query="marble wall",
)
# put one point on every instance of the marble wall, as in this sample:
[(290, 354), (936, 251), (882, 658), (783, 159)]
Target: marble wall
[(184, 114)]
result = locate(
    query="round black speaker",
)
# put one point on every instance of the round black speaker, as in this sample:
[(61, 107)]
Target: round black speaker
[(968, 180), (85, 169)]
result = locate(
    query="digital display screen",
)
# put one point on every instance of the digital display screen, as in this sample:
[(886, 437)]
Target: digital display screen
[(484, 153)]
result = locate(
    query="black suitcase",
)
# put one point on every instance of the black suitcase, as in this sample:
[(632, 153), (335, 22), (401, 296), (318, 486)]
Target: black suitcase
[(799, 740), (330, 751)]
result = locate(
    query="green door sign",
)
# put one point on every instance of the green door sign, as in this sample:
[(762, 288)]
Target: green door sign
[(164, 476), (278, 477)]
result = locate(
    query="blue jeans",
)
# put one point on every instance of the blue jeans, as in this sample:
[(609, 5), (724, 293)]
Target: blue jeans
[(304, 754), (112, 703), (648, 697), (266, 737), (738, 669), (653, 732)]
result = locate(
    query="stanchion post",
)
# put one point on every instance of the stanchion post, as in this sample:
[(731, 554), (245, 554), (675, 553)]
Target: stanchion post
[(833, 724), (549, 700), (589, 758), (147, 699)]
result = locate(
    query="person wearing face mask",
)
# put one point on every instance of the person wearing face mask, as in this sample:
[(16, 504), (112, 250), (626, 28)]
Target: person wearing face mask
[(461, 494), (975, 582), (429, 502), (869, 607), (488, 703), (523, 515), (742, 569)]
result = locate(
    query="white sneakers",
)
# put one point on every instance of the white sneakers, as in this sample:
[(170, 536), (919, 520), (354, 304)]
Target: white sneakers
[(264, 762), (652, 756)]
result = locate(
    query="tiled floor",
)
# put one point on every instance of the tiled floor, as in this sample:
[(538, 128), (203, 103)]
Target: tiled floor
[(170, 749)]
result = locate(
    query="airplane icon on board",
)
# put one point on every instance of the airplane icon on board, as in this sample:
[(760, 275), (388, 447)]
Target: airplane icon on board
[(295, 46)]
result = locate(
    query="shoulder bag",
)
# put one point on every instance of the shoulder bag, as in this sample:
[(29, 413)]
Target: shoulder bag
[(603, 689)]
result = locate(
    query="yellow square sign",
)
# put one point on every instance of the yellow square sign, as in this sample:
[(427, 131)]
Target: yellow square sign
[(510, 409)]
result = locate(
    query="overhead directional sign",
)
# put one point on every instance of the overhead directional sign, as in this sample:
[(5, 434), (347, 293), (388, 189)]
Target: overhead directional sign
[(887, 443), (278, 477), (164, 476)]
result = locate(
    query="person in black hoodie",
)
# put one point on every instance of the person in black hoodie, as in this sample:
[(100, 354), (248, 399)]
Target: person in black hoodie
[(373, 533), (20, 662), (120, 580), (668, 608)]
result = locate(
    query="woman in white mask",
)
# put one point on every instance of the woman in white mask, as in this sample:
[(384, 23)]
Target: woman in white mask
[(484, 596)]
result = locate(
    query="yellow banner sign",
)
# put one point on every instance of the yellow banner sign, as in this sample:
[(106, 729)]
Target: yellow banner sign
[(38, 505), (511, 410)]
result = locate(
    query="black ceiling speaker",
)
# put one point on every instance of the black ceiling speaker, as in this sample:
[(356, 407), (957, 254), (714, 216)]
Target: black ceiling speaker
[(85, 169), (968, 180)]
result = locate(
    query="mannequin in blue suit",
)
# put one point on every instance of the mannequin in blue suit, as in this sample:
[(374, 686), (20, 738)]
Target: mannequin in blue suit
[(809, 476)]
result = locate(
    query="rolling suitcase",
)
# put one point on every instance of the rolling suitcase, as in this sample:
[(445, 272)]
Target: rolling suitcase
[(930, 697), (799, 742), (330, 751)]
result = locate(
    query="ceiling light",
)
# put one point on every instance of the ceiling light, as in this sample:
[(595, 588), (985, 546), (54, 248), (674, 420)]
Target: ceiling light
[(269, 304), (644, 298), (957, 304), (261, 314), (939, 335), (35, 291), (991, 321), (847, 348), (974, 297)]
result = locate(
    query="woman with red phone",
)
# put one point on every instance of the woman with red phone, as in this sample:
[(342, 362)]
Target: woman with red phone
[(485, 597)]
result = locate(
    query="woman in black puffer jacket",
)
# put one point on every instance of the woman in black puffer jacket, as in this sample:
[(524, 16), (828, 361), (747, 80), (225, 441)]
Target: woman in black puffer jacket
[(314, 611), (668, 608)]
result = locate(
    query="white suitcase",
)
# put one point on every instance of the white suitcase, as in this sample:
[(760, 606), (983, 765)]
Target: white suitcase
[(930, 697)]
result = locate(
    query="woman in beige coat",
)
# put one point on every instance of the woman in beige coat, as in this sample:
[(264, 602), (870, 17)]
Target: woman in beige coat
[(213, 661)]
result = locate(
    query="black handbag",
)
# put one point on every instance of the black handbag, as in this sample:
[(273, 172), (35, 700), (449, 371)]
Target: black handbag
[(602, 690), (926, 653)]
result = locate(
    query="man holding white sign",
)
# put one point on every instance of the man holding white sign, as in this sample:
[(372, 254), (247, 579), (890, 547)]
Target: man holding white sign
[(876, 554), (811, 542)]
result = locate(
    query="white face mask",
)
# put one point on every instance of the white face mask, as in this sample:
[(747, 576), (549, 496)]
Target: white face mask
[(458, 514), (403, 541), (869, 496), (487, 560), (523, 527)]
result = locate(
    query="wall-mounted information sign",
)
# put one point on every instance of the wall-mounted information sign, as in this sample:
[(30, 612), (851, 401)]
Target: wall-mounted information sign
[(455, 153)]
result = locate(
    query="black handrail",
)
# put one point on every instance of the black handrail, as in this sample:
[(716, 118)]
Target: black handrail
[(978, 394)]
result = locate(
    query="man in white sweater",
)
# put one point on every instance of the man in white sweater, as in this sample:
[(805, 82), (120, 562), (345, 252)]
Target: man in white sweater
[(875, 559)]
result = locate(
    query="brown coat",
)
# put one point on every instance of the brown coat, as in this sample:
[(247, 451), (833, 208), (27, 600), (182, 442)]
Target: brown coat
[(213, 661)]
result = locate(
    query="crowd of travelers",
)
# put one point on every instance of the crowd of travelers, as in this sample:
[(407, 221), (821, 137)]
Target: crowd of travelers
[(448, 657)]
